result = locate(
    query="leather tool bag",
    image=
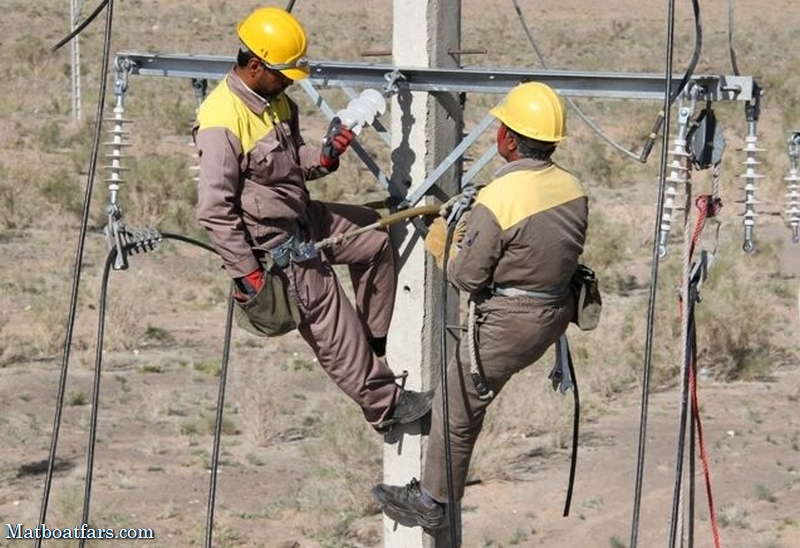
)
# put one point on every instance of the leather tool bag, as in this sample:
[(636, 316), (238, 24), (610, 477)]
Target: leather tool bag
[(272, 312), (589, 304)]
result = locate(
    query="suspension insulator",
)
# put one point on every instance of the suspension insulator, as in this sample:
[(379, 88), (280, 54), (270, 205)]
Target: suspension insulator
[(679, 176), (750, 176), (793, 187), (117, 143)]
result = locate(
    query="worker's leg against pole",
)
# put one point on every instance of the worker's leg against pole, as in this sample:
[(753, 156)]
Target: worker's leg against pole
[(332, 327), (508, 341), (466, 413), (369, 257)]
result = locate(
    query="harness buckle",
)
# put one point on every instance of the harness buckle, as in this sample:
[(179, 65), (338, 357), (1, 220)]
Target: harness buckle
[(292, 250)]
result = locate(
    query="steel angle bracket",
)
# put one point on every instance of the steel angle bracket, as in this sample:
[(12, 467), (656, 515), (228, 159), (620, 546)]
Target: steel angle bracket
[(611, 85), (602, 85)]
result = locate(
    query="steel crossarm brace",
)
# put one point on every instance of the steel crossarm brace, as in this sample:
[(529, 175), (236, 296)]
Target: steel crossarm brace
[(608, 85), (420, 191), (479, 165)]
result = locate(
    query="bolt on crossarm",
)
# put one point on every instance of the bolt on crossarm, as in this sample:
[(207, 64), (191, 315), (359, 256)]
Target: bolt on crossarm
[(793, 186)]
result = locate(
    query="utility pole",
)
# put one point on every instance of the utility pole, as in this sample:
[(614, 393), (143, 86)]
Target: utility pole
[(426, 127)]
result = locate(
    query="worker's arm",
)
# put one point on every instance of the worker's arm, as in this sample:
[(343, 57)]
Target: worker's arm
[(218, 205), (472, 267), (312, 160)]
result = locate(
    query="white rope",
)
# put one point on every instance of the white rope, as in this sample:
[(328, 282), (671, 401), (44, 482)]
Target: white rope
[(687, 250)]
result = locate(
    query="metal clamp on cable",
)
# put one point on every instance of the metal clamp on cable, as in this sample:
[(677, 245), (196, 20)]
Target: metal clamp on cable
[(462, 204)]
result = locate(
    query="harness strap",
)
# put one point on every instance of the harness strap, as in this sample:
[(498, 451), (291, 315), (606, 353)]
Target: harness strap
[(519, 292), (475, 370)]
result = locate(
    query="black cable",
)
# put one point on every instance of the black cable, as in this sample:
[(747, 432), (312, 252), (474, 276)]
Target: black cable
[(290, 5), (98, 360), (673, 93), (576, 419), (96, 392), (76, 272), (179, 237), (77, 30), (212, 489), (448, 456), (734, 64), (594, 127), (648, 352), (676, 494)]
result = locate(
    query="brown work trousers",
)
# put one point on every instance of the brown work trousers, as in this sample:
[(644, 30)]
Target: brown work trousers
[(336, 329), (512, 333)]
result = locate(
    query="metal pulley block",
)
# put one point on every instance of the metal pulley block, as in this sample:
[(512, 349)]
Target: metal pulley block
[(705, 140)]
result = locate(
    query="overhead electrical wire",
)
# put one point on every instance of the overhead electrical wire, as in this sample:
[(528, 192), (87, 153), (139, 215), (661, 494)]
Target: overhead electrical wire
[(676, 91), (76, 272), (78, 29), (594, 127), (670, 95), (734, 64), (448, 452)]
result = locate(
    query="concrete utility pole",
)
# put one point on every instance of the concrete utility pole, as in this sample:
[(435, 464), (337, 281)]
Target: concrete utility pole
[(425, 128)]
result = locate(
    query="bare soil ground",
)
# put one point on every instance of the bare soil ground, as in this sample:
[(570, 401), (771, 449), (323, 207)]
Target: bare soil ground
[(297, 461)]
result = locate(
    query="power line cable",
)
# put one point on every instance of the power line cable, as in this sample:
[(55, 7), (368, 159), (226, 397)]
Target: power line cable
[(594, 127), (734, 64), (78, 29), (76, 272)]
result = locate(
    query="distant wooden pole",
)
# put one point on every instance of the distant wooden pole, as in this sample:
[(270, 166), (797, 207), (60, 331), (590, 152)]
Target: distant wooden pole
[(425, 129)]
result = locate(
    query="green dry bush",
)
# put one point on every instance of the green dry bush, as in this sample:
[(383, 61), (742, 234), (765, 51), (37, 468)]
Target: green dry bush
[(609, 250), (346, 463), (739, 332), (62, 189), (161, 192)]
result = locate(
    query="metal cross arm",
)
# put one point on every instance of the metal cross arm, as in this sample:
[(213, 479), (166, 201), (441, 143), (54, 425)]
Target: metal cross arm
[(609, 85)]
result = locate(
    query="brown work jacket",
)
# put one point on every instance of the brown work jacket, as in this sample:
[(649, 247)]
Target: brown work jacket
[(254, 166)]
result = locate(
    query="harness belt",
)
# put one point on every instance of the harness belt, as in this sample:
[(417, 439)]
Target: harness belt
[(518, 292)]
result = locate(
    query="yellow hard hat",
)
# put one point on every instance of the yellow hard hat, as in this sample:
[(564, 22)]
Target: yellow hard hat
[(535, 110), (278, 39)]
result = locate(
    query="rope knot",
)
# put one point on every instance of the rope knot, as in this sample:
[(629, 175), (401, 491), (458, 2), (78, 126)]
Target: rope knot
[(708, 205)]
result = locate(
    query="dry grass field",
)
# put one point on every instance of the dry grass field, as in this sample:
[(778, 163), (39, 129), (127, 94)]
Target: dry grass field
[(297, 459)]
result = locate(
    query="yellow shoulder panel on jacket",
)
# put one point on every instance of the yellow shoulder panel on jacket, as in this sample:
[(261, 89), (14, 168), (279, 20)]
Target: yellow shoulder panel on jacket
[(522, 194), (223, 109)]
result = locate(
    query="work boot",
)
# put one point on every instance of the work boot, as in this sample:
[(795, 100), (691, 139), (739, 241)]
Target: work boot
[(407, 505), (412, 406)]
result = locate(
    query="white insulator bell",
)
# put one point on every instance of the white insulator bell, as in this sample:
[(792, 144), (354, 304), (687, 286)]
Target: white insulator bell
[(362, 110)]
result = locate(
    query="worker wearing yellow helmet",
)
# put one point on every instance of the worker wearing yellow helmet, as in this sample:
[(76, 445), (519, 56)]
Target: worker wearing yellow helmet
[(517, 248), (253, 200)]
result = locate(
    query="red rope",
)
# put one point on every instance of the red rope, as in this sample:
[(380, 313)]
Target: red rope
[(708, 206), (703, 456)]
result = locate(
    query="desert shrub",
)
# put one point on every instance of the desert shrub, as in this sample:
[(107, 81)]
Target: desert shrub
[(343, 474), (62, 190)]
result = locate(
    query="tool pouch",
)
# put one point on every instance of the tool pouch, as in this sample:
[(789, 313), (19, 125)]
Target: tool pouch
[(588, 303), (272, 312)]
